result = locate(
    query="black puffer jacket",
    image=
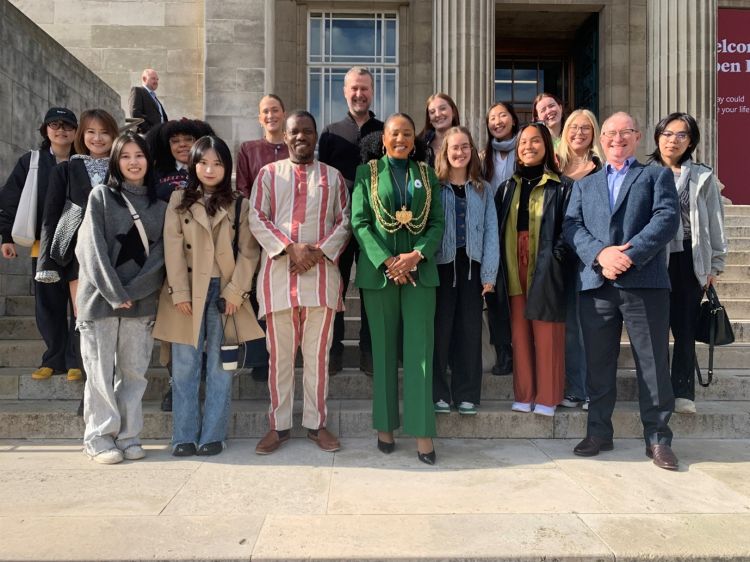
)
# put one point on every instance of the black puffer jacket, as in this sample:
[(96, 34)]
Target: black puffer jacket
[(546, 296)]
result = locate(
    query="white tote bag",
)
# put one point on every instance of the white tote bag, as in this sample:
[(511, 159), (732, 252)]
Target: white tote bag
[(24, 225)]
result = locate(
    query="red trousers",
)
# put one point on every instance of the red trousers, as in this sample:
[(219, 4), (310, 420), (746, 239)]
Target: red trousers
[(538, 346)]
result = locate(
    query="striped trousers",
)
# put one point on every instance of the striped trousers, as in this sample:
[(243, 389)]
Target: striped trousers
[(311, 329)]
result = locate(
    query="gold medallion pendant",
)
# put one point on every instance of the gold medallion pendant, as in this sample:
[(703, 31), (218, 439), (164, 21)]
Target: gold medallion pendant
[(403, 216)]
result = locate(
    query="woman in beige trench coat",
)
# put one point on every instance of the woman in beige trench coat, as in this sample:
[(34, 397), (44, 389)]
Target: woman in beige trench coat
[(205, 286)]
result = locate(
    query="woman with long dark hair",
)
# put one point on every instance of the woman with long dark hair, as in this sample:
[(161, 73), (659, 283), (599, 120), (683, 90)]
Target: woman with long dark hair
[(121, 269), (531, 207), (499, 164), (207, 288), (698, 252), (51, 300)]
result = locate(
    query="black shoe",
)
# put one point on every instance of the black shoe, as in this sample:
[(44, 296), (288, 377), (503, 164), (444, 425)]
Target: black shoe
[(166, 402), (503, 367), (335, 362), (427, 458), (365, 362), (386, 447), (260, 374), (592, 446), (210, 449), (184, 450), (79, 411)]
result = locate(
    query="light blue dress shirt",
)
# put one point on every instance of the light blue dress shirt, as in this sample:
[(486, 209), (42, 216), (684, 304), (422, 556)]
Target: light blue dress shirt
[(615, 178)]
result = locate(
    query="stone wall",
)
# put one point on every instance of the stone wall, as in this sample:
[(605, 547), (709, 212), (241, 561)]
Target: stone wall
[(36, 72), (117, 39), (236, 66)]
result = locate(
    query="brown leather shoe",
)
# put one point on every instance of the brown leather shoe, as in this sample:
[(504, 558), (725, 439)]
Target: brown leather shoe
[(592, 445), (663, 456), (270, 442), (325, 440)]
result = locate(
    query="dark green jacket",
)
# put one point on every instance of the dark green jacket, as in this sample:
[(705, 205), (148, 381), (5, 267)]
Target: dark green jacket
[(377, 245)]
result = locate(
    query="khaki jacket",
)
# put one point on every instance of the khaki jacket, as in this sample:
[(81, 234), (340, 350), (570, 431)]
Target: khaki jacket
[(189, 256)]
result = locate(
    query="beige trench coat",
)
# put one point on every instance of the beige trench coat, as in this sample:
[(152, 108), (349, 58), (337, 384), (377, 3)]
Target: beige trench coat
[(189, 255)]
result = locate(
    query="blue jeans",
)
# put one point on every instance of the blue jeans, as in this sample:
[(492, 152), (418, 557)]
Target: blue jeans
[(187, 424)]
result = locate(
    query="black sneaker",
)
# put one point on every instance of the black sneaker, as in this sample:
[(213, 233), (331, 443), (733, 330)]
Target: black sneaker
[(166, 402), (571, 401), (210, 449)]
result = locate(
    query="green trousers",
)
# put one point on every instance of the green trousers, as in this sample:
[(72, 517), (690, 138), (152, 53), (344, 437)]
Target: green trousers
[(393, 312)]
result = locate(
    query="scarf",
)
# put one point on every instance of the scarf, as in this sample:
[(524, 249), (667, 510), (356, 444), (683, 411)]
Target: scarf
[(504, 167), (96, 167)]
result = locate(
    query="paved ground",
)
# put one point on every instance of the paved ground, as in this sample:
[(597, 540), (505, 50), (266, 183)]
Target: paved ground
[(486, 500)]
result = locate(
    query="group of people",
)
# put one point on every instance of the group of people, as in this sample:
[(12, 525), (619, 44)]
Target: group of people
[(554, 228)]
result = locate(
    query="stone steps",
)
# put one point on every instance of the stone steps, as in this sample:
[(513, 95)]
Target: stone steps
[(350, 384), (56, 419)]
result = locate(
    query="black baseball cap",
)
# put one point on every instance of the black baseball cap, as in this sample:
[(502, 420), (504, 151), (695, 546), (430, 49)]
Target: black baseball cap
[(61, 114)]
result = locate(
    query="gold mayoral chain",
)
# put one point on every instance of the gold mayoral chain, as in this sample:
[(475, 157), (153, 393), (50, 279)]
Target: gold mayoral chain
[(403, 217)]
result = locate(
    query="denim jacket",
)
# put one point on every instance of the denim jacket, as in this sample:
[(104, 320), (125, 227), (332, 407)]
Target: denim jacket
[(482, 239)]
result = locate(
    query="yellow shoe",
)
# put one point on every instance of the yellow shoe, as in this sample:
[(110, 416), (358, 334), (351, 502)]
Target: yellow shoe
[(74, 375), (42, 374)]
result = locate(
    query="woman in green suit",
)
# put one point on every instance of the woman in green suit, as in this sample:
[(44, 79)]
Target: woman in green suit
[(398, 221)]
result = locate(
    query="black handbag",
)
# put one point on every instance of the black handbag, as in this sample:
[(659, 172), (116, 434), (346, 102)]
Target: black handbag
[(713, 328), (63, 243)]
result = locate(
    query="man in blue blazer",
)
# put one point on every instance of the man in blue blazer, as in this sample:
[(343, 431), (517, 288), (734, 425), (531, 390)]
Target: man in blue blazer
[(619, 221)]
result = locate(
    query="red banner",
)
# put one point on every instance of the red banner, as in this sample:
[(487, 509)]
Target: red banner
[(733, 103)]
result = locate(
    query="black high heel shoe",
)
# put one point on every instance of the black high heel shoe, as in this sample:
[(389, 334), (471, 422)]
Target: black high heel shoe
[(386, 447), (427, 458)]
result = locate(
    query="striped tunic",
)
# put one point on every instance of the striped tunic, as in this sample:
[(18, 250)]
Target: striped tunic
[(306, 203)]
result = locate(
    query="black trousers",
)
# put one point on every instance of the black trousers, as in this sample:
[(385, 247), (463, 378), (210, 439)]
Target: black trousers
[(458, 332), (56, 326), (645, 313), (685, 303), (350, 254)]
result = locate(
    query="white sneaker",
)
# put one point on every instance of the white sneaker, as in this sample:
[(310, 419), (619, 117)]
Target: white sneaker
[(585, 406), (134, 453), (684, 406), (541, 410), (524, 407), (110, 456)]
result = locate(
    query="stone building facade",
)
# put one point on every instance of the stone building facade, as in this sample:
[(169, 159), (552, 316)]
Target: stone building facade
[(216, 58)]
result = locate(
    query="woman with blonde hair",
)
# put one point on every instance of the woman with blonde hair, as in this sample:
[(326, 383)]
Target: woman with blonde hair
[(579, 152), (579, 155), (467, 263)]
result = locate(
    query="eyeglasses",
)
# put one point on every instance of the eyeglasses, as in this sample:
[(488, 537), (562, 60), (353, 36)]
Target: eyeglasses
[(585, 129), (681, 136), (55, 125), (623, 133)]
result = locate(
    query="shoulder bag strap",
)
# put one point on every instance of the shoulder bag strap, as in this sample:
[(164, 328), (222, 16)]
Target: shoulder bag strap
[(138, 223), (236, 240)]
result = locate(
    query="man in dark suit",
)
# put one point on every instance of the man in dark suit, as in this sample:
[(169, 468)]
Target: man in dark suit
[(144, 104), (339, 146), (619, 221)]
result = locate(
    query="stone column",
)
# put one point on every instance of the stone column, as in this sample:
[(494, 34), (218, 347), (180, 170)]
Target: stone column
[(464, 57), (682, 67)]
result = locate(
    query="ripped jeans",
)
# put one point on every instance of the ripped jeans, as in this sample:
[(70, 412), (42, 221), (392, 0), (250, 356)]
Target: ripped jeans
[(116, 354)]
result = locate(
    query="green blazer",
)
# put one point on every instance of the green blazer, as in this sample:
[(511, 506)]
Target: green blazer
[(377, 245)]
